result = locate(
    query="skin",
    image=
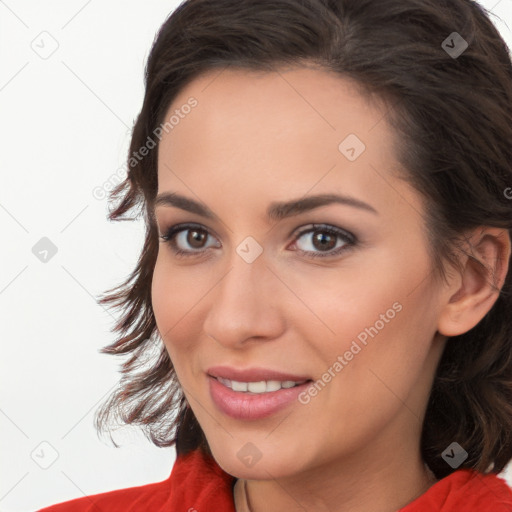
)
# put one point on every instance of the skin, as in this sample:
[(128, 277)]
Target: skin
[(259, 137)]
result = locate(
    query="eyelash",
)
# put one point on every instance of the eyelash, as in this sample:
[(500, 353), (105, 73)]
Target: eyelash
[(347, 237)]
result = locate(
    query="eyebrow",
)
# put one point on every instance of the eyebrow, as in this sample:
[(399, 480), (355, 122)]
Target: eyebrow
[(276, 211)]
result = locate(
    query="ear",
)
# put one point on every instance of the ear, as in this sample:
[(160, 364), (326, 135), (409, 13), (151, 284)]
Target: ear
[(473, 292)]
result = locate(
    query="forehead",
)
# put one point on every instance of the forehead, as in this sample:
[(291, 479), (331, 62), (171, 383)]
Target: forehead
[(311, 101), (282, 133)]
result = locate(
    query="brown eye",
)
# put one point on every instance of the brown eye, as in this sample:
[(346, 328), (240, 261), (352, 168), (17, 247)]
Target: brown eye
[(324, 241), (188, 240), (196, 237)]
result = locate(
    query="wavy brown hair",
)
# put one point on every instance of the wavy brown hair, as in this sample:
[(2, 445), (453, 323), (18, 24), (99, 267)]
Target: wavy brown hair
[(452, 117)]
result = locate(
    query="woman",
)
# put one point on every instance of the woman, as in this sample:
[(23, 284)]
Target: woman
[(326, 189)]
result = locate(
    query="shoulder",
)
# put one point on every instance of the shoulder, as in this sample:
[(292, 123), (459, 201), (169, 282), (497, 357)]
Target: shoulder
[(196, 481), (129, 499), (466, 490)]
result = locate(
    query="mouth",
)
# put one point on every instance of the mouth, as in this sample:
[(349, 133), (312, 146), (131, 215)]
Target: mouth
[(254, 394), (259, 387)]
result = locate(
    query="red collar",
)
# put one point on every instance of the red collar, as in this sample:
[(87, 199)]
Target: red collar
[(198, 482)]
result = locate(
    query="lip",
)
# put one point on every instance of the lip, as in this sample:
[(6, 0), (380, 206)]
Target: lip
[(253, 374), (253, 406)]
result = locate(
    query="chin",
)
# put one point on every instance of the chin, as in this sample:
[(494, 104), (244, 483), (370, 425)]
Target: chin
[(262, 470), (243, 459)]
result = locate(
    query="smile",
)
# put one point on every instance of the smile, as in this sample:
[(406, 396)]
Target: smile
[(260, 386), (254, 400)]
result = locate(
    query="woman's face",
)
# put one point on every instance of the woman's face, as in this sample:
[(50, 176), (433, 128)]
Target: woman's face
[(349, 305)]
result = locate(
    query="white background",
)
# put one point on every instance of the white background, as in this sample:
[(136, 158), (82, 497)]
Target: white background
[(65, 129)]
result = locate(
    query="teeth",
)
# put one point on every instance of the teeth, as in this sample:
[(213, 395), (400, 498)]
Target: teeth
[(273, 385), (239, 386), (257, 387), (263, 386)]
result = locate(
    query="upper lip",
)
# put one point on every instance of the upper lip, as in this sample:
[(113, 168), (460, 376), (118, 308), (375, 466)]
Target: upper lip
[(253, 374)]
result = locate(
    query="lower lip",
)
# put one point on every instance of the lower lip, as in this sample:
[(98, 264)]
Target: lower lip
[(247, 406)]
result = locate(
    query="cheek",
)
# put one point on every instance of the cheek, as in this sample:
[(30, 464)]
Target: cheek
[(385, 335), (332, 307), (163, 299), (179, 299), (170, 299), (380, 314)]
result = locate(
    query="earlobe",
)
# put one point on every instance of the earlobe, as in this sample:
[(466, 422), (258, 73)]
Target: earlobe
[(485, 266)]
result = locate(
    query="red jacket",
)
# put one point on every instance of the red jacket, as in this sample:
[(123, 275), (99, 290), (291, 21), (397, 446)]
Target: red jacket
[(197, 483)]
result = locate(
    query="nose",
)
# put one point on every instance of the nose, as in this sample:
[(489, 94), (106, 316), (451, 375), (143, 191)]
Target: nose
[(245, 305)]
